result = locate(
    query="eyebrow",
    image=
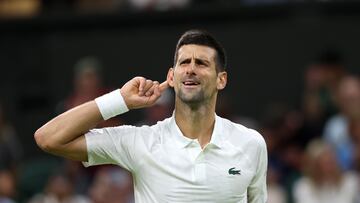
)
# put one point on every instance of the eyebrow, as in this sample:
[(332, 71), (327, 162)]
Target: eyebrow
[(197, 60)]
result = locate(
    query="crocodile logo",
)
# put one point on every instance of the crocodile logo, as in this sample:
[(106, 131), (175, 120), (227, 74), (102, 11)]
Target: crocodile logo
[(232, 171)]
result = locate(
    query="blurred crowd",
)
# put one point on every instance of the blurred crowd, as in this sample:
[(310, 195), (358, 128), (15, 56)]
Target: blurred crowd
[(313, 149), (30, 8)]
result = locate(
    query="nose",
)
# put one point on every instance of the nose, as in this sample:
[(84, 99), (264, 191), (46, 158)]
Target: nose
[(191, 67)]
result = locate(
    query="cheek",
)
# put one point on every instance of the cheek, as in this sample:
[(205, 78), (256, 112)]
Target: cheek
[(214, 81), (173, 78), (176, 82)]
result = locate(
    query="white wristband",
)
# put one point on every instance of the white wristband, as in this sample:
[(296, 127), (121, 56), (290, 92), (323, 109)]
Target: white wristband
[(111, 104)]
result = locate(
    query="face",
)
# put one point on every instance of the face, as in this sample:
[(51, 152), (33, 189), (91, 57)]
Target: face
[(349, 97), (194, 78)]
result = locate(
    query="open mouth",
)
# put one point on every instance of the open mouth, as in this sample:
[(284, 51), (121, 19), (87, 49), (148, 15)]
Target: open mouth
[(191, 83)]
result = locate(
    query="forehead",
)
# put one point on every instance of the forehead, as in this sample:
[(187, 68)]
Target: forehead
[(197, 51)]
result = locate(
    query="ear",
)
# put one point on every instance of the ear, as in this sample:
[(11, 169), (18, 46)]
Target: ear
[(170, 77), (221, 80)]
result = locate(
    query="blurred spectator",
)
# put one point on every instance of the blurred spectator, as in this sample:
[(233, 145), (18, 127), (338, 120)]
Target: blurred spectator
[(88, 85), (7, 186), (10, 147), (321, 80), (280, 129), (33, 175), (78, 175), (324, 181), (337, 128), (58, 190), (112, 185), (276, 192), (354, 129), (87, 82)]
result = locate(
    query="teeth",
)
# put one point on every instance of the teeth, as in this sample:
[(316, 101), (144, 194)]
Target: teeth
[(190, 83)]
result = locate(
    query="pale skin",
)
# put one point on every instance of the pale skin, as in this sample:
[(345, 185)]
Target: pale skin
[(195, 81)]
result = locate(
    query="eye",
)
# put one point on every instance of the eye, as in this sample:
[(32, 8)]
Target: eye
[(201, 63), (183, 62)]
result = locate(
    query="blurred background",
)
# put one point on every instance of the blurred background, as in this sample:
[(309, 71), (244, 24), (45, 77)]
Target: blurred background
[(293, 76)]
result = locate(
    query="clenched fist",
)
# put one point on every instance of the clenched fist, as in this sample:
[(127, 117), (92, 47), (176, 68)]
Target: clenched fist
[(140, 92)]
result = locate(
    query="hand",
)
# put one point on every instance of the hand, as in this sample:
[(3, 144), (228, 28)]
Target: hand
[(140, 92)]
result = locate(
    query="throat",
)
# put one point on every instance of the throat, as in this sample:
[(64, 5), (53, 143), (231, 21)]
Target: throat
[(196, 125)]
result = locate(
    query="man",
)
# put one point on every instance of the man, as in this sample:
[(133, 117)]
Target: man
[(193, 156)]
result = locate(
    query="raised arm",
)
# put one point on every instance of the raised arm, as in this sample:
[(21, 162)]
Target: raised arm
[(64, 135)]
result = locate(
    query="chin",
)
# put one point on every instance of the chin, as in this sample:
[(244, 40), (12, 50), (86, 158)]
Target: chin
[(191, 99)]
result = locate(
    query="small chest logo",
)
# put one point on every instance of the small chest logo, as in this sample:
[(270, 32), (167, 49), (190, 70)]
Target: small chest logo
[(233, 171)]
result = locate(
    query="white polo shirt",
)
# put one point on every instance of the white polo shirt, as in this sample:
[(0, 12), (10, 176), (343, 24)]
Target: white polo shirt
[(169, 167)]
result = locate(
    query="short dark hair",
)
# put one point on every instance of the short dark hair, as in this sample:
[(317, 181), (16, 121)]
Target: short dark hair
[(330, 56), (202, 37)]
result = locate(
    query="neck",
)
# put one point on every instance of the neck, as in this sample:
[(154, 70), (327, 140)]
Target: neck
[(196, 121)]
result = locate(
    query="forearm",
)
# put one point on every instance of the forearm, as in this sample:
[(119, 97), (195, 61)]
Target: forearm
[(55, 135), (64, 135)]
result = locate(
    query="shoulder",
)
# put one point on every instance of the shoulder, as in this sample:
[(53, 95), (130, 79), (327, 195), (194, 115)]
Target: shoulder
[(336, 121), (129, 133), (161, 125), (150, 133), (335, 128), (240, 134), (134, 130)]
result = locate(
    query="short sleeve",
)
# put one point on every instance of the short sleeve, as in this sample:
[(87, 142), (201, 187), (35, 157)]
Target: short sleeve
[(113, 145), (257, 192)]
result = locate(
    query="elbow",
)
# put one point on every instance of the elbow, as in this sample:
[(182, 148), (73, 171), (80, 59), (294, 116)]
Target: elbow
[(43, 141)]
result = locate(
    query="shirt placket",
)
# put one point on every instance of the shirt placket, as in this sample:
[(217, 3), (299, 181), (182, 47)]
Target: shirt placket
[(197, 157)]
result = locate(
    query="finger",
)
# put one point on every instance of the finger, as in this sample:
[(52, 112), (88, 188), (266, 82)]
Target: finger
[(152, 88), (148, 85), (157, 90), (142, 84), (155, 96), (163, 86)]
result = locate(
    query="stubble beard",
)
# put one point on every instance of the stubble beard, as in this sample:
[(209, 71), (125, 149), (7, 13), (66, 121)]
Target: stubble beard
[(192, 98)]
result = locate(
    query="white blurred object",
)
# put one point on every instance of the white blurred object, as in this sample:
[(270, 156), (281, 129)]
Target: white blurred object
[(323, 180), (346, 192), (276, 194)]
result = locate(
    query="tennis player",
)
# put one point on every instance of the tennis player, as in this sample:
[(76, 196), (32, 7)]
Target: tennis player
[(193, 156)]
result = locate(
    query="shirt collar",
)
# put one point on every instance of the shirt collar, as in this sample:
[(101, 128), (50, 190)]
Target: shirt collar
[(182, 141)]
